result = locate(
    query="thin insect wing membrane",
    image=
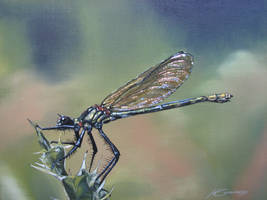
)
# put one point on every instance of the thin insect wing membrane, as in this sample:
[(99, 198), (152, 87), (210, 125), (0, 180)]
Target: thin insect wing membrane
[(157, 83), (115, 96)]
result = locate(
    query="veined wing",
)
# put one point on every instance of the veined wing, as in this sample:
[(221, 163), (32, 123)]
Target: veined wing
[(153, 85)]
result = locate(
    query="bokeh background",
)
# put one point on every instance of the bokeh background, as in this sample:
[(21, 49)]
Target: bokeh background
[(63, 56)]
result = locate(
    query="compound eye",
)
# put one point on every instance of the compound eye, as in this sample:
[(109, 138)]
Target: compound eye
[(61, 120), (64, 120)]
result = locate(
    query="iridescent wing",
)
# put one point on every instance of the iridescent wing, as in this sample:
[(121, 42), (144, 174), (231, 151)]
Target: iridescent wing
[(153, 85)]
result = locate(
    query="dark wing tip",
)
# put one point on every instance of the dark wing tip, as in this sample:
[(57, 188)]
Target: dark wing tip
[(184, 55)]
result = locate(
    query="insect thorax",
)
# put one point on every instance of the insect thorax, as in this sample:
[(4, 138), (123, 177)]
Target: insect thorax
[(94, 115)]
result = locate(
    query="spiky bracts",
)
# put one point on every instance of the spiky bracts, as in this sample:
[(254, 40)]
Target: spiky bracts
[(83, 186)]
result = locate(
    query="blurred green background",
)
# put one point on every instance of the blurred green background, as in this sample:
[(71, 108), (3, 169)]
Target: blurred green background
[(64, 56)]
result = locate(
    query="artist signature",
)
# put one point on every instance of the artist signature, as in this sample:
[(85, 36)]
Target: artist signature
[(224, 192)]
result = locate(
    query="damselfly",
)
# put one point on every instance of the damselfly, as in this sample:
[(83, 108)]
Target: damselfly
[(139, 96)]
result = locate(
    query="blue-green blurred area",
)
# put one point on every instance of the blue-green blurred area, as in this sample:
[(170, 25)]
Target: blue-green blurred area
[(64, 56)]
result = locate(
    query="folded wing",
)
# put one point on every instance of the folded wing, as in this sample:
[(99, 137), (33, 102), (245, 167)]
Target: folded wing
[(153, 85)]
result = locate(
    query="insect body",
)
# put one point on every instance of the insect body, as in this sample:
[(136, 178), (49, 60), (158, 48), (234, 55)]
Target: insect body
[(139, 96)]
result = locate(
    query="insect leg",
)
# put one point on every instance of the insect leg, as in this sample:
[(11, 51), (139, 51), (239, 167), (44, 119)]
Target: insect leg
[(115, 159), (76, 145), (94, 149), (61, 127), (77, 136), (56, 142)]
